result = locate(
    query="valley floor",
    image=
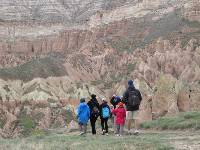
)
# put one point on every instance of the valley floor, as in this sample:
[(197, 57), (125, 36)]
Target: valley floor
[(147, 140)]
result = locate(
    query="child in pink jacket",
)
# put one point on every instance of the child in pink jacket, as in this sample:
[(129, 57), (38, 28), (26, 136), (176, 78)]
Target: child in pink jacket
[(120, 113)]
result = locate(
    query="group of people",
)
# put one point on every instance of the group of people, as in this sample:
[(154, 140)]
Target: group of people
[(123, 109)]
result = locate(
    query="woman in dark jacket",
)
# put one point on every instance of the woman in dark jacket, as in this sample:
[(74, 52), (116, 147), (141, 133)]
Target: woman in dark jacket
[(94, 112)]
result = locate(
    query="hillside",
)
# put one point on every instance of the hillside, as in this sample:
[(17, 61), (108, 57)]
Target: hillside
[(61, 50)]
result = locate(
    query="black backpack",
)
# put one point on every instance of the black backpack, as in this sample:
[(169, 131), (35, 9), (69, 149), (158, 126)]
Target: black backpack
[(133, 98), (95, 112)]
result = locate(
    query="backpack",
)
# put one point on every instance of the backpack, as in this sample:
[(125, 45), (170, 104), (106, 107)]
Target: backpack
[(95, 112), (105, 112), (133, 98)]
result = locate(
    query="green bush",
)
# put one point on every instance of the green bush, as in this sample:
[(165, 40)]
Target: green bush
[(28, 125), (1, 123), (192, 24)]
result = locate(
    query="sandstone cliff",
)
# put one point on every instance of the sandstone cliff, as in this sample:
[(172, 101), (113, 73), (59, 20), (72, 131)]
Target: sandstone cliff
[(71, 49)]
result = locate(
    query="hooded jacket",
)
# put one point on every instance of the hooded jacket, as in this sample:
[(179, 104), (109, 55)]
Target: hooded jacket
[(120, 113), (126, 96), (83, 113)]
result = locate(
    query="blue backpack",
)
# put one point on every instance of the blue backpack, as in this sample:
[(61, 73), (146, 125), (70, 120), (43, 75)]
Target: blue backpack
[(105, 112)]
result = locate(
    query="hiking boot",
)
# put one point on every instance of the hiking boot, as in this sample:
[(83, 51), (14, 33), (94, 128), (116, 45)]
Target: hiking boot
[(129, 132), (103, 132)]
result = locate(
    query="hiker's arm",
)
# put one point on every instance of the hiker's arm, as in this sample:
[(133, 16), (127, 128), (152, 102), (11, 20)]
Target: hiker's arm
[(125, 113), (113, 111), (111, 101), (140, 96), (78, 112), (125, 97), (88, 112), (110, 111), (100, 110)]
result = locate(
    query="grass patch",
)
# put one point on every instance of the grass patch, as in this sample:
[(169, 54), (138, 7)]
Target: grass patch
[(130, 68), (40, 67), (189, 120), (96, 82), (123, 45), (89, 142), (1, 123), (191, 24)]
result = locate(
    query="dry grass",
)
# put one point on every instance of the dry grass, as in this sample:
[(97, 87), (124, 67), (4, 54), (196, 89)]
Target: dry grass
[(89, 142)]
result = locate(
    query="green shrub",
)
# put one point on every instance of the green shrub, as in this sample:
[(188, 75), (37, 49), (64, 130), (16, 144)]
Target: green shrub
[(192, 24), (1, 123), (131, 67), (27, 124)]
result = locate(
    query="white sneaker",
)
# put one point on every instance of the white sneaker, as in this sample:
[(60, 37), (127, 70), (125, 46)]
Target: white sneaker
[(136, 132), (103, 132), (117, 135), (81, 133), (107, 134)]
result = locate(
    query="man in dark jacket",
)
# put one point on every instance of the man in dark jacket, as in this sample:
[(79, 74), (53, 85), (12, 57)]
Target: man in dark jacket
[(94, 112), (132, 98), (105, 114)]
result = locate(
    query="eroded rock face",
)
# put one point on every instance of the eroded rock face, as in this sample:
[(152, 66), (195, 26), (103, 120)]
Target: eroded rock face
[(43, 64), (25, 117)]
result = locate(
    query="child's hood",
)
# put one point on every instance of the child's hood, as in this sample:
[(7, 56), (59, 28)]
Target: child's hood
[(83, 105)]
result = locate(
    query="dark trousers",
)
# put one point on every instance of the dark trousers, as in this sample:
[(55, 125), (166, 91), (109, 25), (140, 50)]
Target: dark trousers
[(104, 124), (93, 121)]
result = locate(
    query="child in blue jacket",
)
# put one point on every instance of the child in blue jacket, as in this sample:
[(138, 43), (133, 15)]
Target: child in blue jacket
[(83, 115)]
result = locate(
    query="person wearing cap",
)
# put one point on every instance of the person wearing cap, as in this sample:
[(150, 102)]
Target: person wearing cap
[(94, 112), (120, 113), (105, 114), (132, 98), (83, 115)]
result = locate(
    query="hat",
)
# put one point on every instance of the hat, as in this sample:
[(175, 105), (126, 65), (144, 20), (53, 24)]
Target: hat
[(103, 99), (118, 98), (120, 104), (82, 100), (93, 96), (130, 82)]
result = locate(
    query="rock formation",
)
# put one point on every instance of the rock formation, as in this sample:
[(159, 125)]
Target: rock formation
[(63, 50)]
